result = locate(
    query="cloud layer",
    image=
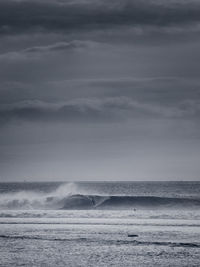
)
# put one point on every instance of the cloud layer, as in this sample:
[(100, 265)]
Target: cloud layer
[(112, 84), (24, 16), (96, 110)]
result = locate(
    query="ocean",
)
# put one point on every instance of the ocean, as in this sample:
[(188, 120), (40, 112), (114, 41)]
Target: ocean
[(100, 224)]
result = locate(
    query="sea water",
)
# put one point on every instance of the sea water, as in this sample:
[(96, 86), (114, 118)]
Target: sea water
[(100, 224)]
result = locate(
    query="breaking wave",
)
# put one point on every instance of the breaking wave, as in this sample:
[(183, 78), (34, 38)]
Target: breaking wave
[(27, 199), (71, 196), (126, 202)]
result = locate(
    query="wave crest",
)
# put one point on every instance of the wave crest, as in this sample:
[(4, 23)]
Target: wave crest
[(127, 202), (39, 200)]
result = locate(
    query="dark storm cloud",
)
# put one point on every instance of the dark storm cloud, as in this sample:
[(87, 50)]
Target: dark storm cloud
[(23, 16), (95, 110), (112, 84)]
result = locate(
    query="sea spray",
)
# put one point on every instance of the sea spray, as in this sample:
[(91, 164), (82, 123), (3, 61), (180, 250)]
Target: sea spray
[(38, 200)]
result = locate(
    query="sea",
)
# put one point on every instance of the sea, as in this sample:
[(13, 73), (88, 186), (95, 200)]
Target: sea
[(100, 224)]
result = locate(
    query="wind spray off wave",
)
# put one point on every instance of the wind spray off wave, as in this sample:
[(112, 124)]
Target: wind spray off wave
[(32, 199)]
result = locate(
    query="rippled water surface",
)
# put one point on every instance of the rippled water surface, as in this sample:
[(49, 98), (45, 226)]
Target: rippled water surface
[(35, 230)]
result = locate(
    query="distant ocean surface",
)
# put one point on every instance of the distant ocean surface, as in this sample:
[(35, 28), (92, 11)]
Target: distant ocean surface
[(100, 224)]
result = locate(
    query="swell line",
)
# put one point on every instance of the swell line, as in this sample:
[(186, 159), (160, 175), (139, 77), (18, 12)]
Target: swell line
[(100, 223), (111, 242)]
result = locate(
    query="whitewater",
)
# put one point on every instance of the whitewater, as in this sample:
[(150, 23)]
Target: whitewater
[(100, 224)]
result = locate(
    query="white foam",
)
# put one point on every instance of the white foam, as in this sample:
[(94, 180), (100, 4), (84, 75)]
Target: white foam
[(34, 200)]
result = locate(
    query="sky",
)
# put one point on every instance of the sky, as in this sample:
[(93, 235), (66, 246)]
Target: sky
[(99, 90)]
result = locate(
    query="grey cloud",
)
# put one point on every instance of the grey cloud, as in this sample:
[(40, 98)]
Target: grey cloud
[(95, 110), (23, 16), (166, 91), (163, 90), (81, 110), (56, 47), (61, 46), (103, 83)]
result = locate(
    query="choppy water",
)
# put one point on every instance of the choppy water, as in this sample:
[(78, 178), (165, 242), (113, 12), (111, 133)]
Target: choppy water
[(100, 224)]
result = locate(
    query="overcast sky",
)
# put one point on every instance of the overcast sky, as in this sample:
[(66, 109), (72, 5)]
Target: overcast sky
[(99, 90)]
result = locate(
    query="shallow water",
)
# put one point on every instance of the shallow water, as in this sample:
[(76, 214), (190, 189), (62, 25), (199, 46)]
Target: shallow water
[(100, 243)]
